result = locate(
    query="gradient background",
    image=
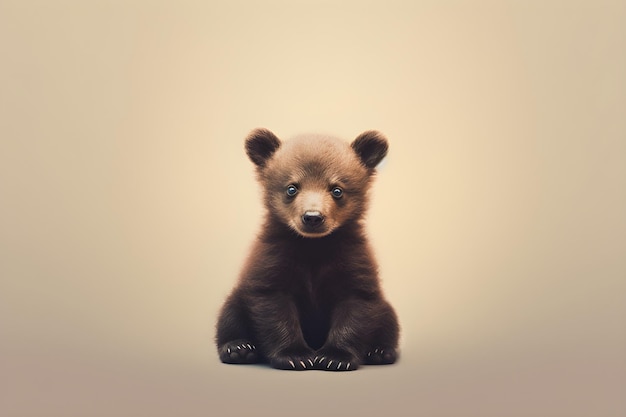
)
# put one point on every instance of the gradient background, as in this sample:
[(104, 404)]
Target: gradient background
[(127, 204)]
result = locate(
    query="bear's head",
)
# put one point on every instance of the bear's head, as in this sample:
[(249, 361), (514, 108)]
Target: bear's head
[(315, 184)]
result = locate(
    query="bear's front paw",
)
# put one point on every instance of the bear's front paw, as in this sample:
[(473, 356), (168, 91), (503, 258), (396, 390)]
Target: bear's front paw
[(293, 360), (328, 359), (238, 351), (380, 356)]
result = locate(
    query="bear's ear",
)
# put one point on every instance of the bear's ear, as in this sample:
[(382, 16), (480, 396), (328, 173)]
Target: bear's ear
[(371, 147), (261, 145)]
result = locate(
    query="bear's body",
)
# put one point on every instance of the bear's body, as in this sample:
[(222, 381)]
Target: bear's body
[(309, 295)]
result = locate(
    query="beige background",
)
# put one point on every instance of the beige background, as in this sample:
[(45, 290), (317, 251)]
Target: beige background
[(127, 204)]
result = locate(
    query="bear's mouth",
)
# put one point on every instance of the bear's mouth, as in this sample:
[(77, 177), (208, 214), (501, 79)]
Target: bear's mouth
[(307, 232), (312, 235)]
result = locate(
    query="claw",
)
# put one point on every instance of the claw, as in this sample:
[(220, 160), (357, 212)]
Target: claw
[(249, 347), (339, 366), (292, 364), (369, 353), (315, 359), (348, 366), (229, 351), (303, 365), (310, 362), (238, 347), (329, 363)]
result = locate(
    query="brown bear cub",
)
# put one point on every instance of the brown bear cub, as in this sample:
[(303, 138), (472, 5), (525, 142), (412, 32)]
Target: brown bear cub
[(309, 295)]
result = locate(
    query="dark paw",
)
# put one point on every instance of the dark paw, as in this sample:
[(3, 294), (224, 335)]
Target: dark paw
[(293, 360), (238, 351), (380, 356), (335, 360)]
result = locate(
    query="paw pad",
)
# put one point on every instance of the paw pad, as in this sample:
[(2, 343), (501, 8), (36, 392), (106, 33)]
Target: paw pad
[(293, 360), (239, 351), (380, 356), (325, 363)]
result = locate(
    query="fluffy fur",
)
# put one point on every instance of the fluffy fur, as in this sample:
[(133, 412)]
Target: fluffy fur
[(309, 295)]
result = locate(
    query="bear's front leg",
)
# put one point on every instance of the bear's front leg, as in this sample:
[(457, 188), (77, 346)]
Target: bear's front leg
[(277, 325), (234, 340), (356, 325)]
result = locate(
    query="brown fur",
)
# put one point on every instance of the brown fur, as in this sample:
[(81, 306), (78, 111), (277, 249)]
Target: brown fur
[(309, 295)]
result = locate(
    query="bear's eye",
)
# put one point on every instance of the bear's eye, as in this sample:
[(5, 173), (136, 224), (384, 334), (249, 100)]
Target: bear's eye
[(291, 190), (337, 192)]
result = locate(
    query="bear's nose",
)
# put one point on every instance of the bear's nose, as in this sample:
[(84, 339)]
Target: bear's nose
[(312, 218)]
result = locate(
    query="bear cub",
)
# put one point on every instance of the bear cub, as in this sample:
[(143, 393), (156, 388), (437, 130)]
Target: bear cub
[(309, 295)]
